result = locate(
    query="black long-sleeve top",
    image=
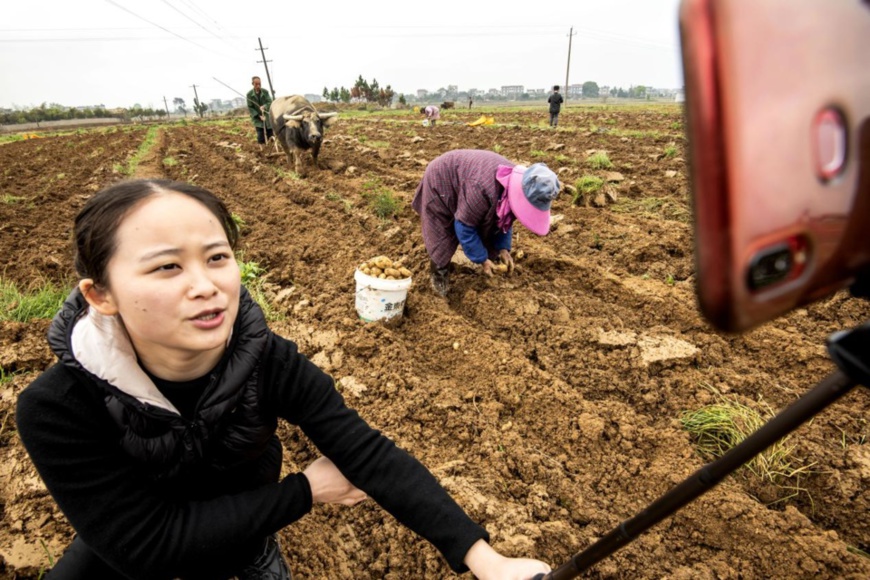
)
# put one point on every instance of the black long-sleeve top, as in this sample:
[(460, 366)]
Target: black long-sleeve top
[(148, 530)]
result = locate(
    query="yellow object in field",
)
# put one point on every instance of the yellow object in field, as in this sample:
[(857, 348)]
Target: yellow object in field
[(32, 136), (484, 120)]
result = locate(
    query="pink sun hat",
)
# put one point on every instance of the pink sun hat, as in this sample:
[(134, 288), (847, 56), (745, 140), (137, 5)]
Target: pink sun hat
[(530, 193)]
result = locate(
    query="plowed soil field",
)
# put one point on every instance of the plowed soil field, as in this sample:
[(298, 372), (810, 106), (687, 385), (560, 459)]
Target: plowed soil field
[(547, 402)]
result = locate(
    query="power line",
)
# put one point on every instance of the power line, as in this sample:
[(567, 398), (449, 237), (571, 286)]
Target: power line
[(221, 38), (113, 3), (414, 31), (191, 19)]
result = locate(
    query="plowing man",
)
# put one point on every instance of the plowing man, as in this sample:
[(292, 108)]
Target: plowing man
[(471, 197), (258, 107)]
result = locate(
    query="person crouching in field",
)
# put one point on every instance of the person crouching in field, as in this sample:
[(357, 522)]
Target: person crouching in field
[(471, 197), (155, 432), (432, 114)]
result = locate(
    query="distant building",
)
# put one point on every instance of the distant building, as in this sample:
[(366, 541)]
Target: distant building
[(574, 91), (493, 92), (512, 91), (237, 102)]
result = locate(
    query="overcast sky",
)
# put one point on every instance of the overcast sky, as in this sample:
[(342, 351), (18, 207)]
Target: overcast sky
[(122, 52)]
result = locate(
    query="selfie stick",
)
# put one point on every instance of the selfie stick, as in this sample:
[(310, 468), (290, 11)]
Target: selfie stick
[(849, 351)]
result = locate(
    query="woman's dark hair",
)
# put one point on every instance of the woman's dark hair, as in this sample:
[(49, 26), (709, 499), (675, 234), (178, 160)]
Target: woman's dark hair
[(97, 222)]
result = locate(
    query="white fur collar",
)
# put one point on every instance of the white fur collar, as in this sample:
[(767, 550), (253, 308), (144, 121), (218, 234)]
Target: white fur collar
[(102, 346)]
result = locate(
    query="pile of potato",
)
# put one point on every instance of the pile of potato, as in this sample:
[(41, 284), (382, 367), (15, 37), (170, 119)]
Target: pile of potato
[(384, 268)]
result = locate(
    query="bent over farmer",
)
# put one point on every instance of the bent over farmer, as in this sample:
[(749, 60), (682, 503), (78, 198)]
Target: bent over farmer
[(471, 197)]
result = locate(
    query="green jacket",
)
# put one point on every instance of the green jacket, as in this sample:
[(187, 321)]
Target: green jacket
[(255, 101)]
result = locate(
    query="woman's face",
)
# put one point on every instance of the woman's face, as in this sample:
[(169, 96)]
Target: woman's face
[(174, 282)]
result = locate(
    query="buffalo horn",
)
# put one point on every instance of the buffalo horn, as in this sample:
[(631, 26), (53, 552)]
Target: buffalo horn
[(326, 115), (289, 117)]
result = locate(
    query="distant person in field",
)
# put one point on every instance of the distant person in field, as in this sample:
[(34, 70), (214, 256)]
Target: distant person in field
[(155, 431), (259, 101), (555, 101), (470, 102), (432, 114), (471, 197)]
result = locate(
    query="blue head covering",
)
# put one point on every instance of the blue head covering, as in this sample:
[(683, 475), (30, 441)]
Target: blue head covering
[(540, 186)]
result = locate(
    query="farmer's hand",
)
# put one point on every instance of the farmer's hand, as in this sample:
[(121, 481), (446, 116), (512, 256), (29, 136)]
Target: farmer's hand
[(262, 108), (487, 564), (505, 257), (487, 267), (328, 485), (262, 118)]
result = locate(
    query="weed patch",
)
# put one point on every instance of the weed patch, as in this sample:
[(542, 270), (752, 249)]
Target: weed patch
[(719, 427), (42, 301), (599, 160), (383, 201), (253, 278), (10, 199)]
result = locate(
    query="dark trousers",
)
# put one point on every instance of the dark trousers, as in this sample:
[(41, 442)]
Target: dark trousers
[(261, 138), (554, 119), (79, 562)]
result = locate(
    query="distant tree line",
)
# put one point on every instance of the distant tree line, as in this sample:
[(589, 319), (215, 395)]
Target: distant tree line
[(362, 92), (57, 112)]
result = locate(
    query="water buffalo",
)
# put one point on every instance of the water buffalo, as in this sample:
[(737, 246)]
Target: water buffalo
[(448, 105), (298, 127)]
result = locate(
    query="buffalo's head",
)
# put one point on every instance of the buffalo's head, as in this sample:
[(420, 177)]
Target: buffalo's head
[(310, 123)]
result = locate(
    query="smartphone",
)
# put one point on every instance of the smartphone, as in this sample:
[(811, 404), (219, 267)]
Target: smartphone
[(778, 125)]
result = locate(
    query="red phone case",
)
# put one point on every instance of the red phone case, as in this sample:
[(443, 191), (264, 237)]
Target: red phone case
[(778, 121)]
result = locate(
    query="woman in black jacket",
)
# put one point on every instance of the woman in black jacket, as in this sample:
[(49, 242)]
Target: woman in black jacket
[(155, 431)]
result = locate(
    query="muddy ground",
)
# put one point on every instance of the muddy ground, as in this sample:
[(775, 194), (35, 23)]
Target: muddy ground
[(548, 403)]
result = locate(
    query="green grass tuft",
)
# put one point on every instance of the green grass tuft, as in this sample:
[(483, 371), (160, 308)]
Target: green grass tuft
[(10, 199), (599, 160), (42, 301), (253, 278), (719, 427), (383, 201)]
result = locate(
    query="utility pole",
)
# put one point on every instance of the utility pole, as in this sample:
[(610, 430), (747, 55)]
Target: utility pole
[(167, 108), (264, 61), (568, 68), (196, 102)]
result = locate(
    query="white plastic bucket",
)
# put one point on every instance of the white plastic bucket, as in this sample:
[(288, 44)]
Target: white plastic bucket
[(379, 299), (425, 122)]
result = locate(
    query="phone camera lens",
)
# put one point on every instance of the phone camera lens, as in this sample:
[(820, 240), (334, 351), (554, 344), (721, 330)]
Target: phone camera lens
[(769, 266)]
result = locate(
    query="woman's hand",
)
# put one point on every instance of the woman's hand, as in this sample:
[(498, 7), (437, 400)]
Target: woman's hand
[(487, 564), (487, 267), (328, 485), (505, 257)]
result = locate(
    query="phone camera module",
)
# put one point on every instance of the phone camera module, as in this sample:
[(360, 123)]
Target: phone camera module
[(829, 140), (770, 265)]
